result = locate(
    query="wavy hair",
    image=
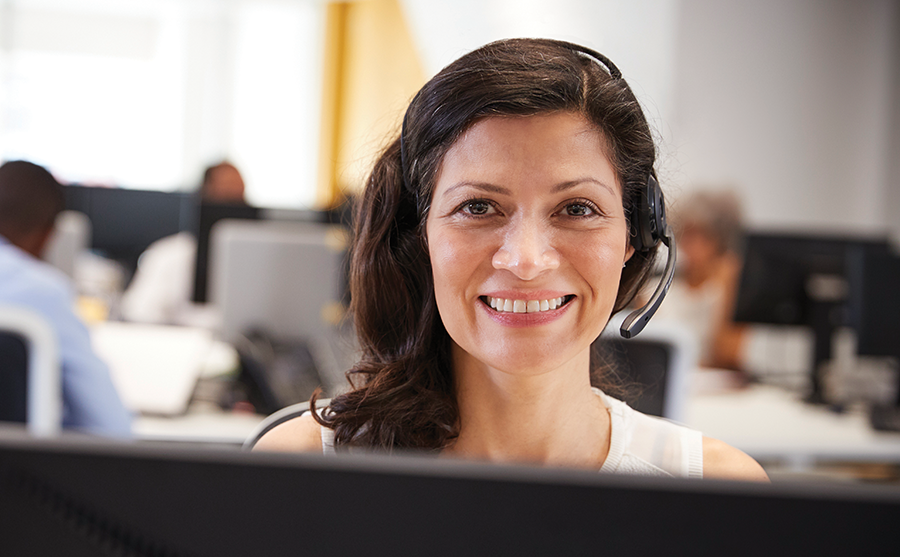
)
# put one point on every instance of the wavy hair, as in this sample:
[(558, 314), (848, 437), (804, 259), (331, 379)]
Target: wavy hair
[(402, 396)]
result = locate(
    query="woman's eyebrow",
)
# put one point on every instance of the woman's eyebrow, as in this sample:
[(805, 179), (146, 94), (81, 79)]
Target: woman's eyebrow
[(483, 186), (572, 183)]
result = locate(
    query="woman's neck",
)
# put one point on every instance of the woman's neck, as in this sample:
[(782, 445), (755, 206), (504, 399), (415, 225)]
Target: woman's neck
[(552, 418)]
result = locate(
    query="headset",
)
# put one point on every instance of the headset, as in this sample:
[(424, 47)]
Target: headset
[(648, 224), (648, 228)]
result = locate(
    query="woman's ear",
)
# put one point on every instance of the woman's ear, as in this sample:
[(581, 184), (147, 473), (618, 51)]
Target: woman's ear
[(629, 251)]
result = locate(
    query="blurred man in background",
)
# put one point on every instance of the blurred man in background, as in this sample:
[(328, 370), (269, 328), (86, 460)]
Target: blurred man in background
[(30, 200), (161, 289)]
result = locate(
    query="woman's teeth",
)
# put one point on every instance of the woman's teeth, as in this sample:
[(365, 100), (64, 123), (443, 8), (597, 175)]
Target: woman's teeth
[(524, 306)]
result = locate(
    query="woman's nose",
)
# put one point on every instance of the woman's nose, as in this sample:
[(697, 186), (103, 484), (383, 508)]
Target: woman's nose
[(526, 251)]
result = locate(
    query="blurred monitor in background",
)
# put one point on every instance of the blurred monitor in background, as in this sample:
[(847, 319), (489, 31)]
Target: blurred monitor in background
[(876, 300), (163, 285), (810, 280), (708, 229)]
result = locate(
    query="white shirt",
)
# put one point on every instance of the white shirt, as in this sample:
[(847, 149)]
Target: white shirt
[(639, 444), (697, 309), (161, 289)]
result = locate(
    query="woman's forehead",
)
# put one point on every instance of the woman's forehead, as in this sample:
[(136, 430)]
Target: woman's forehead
[(557, 146)]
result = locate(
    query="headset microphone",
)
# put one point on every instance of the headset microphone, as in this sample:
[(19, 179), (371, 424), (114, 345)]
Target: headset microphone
[(637, 319)]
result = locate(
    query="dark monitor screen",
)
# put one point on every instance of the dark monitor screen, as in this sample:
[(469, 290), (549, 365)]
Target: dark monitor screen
[(803, 280), (876, 297), (785, 275), (210, 214), (125, 222), (82, 499)]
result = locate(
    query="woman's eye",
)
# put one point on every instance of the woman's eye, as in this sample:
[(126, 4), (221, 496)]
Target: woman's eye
[(477, 207), (577, 210)]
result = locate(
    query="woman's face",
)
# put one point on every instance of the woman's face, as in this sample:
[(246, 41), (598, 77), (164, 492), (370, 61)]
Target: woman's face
[(527, 238)]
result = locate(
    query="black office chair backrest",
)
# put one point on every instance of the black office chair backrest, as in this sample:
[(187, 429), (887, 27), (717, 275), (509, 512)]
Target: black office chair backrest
[(13, 378), (642, 365)]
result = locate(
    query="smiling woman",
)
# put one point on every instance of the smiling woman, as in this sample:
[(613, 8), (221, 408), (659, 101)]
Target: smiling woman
[(527, 212), (494, 240)]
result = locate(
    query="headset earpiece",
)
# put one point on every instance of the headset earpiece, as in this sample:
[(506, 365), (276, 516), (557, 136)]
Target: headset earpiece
[(648, 220)]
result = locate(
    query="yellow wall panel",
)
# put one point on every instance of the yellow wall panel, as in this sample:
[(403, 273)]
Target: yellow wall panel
[(372, 71)]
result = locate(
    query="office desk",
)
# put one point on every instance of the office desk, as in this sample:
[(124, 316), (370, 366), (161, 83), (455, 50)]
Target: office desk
[(157, 368), (771, 424), (201, 424)]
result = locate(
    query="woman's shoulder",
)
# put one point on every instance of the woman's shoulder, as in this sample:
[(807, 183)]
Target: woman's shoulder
[(300, 434), (722, 461), (719, 460)]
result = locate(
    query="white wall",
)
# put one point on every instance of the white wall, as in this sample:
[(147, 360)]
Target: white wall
[(638, 35), (892, 203), (789, 102), (793, 102)]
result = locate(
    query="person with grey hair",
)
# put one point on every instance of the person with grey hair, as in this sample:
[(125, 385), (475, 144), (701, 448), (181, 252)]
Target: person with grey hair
[(708, 228)]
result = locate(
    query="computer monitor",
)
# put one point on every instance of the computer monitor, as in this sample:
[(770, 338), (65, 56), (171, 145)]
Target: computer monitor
[(210, 214), (875, 299), (124, 222), (85, 498), (70, 239), (281, 285), (795, 279)]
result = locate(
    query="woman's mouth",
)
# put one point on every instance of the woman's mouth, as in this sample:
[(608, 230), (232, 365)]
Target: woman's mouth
[(508, 305)]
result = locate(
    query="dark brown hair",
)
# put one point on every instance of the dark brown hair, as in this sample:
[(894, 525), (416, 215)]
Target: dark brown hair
[(30, 199), (403, 395)]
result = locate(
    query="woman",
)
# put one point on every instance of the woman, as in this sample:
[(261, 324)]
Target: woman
[(492, 246), (709, 232)]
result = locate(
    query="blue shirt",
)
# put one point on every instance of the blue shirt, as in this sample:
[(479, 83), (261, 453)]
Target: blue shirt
[(90, 400)]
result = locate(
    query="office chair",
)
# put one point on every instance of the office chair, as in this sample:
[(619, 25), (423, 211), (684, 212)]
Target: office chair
[(657, 364), (30, 380), (278, 418)]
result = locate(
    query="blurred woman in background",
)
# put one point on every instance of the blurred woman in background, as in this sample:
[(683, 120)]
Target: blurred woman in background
[(709, 232)]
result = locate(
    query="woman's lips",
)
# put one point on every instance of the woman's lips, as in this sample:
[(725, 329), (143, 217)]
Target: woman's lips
[(522, 312)]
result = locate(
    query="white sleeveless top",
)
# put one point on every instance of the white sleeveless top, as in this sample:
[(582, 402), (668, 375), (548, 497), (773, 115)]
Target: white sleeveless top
[(639, 444)]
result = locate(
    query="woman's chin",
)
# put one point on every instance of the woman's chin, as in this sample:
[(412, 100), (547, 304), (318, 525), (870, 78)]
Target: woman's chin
[(527, 362)]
